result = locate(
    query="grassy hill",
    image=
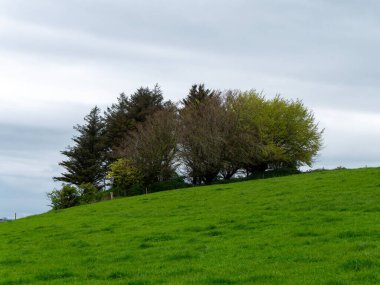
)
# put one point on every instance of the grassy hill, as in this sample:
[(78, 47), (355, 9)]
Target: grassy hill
[(317, 228)]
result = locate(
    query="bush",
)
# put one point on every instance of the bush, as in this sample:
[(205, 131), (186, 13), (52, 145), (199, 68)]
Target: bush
[(89, 193), (138, 188), (274, 173), (132, 190), (66, 197), (171, 184)]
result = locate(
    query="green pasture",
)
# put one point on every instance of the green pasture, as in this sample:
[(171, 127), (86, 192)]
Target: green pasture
[(315, 228)]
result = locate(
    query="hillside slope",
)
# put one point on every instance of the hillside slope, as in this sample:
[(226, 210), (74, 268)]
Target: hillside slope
[(318, 228)]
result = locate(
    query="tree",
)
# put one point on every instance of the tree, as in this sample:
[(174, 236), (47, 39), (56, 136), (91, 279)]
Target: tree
[(152, 148), (117, 122), (201, 138), (123, 117), (124, 175), (147, 141), (198, 94), (253, 116), (285, 130), (241, 143), (144, 102), (294, 135), (86, 160)]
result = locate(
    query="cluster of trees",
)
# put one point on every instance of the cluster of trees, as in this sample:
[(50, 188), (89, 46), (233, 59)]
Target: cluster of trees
[(143, 141)]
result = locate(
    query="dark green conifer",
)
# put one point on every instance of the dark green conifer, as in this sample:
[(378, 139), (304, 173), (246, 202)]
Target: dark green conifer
[(86, 160), (198, 94)]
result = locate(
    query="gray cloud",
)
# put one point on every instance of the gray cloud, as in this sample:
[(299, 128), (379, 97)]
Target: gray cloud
[(323, 41), (59, 58)]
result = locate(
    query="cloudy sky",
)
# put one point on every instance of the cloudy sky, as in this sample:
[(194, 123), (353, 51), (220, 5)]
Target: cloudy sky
[(60, 58)]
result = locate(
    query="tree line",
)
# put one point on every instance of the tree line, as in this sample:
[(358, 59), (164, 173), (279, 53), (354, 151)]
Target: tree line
[(143, 143)]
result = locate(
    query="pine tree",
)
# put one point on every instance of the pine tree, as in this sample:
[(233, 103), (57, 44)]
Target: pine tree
[(145, 102), (123, 118), (86, 160), (198, 94), (118, 123)]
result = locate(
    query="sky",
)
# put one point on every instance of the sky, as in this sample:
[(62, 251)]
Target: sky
[(58, 59)]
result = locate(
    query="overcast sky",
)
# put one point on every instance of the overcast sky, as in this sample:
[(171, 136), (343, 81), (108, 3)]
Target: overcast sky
[(60, 58)]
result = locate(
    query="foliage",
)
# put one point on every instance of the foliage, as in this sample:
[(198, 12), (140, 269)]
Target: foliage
[(86, 160), (117, 123), (123, 174), (293, 134), (242, 145), (66, 197), (144, 103), (315, 228), (285, 130), (174, 183), (198, 94), (201, 139), (122, 118), (89, 193), (212, 136), (280, 172), (70, 196), (152, 148)]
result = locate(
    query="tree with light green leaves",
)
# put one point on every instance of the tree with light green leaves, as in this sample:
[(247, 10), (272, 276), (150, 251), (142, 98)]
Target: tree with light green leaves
[(123, 175), (286, 131)]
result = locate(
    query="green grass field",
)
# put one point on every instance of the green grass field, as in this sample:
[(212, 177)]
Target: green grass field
[(317, 228)]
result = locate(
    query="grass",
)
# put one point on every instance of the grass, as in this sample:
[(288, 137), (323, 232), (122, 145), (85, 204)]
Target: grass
[(317, 228)]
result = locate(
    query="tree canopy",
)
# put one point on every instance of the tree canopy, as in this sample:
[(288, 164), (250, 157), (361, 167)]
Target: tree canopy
[(210, 135)]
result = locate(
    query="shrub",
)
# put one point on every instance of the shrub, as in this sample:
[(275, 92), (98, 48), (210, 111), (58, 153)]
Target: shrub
[(171, 184), (274, 173), (89, 193), (66, 197)]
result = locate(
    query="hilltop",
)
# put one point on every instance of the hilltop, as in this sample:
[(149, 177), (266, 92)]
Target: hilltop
[(314, 228)]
